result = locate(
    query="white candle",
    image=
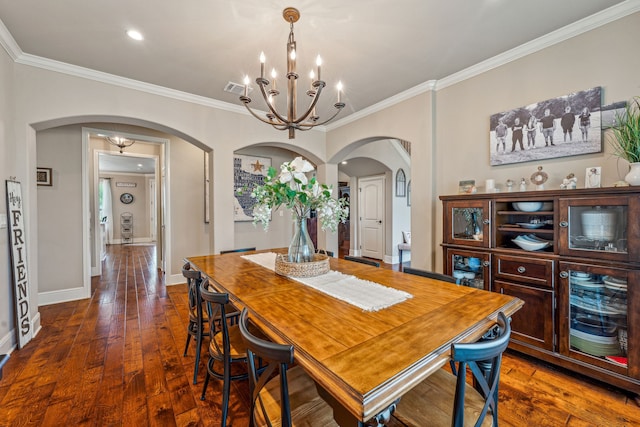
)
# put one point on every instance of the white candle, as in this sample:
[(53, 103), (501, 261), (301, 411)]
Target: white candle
[(273, 78), (319, 64), (262, 61), (339, 90), (312, 77), (246, 85)]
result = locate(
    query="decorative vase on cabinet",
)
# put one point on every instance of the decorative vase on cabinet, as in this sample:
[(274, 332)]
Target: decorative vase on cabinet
[(633, 177)]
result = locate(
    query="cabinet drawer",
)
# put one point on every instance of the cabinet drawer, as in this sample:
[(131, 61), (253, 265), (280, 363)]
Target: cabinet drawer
[(528, 270)]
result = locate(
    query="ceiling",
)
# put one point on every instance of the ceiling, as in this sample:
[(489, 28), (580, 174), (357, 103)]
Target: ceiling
[(377, 48), (126, 164)]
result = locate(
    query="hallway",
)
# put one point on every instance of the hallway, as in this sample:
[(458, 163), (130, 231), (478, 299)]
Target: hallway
[(116, 359)]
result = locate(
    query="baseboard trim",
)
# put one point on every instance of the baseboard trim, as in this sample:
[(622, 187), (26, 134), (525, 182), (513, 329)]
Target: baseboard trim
[(55, 297), (174, 279)]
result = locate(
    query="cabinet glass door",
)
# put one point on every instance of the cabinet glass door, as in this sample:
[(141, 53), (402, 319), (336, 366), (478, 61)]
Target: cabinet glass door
[(469, 267), (468, 223), (598, 315), (597, 227)]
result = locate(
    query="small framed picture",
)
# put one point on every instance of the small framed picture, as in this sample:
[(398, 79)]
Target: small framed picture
[(43, 176), (467, 186), (592, 177)]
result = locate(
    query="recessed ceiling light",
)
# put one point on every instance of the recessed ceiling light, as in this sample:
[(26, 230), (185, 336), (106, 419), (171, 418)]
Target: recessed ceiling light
[(134, 34), (344, 162)]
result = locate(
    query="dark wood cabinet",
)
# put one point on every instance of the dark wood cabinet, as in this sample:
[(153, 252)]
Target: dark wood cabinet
[(538, 305), (573, 257)]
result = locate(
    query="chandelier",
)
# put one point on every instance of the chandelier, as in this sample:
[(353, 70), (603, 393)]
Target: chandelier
[(291, 120), (120, 142)]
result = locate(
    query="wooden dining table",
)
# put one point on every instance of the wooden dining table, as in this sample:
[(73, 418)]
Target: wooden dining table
[(362, 361)]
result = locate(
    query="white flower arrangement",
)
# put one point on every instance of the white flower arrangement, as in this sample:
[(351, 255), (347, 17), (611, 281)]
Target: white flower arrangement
[(295, 191)]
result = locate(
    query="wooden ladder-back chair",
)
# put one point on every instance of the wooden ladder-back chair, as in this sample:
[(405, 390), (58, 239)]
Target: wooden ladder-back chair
[(289, 398), (225, 345), (444, 399), (197, 318)]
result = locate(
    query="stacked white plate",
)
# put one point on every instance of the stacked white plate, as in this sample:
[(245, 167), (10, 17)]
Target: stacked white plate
[(615, 284)]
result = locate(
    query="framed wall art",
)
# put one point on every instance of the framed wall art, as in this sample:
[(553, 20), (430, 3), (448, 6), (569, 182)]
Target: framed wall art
[(248, 171), (401, 181), (559, 127), (44, 177)]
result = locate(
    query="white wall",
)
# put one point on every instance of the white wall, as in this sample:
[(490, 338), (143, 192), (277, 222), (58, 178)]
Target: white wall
[(411, 120), (59, 232), (7, 168), (398, 214), (139, 208)]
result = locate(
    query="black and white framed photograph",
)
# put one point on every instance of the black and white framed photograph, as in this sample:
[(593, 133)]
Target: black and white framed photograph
[(568, 125), (43, 176), (248, 171)]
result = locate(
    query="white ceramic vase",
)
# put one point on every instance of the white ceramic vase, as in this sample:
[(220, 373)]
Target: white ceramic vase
[(633, 177)]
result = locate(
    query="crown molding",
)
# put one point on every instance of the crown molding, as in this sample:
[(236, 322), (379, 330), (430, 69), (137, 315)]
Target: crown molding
[(112, 79), (386, 103), (9, 43), (579, 27)]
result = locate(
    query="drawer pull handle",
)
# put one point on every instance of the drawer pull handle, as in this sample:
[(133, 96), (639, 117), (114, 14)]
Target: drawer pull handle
[(564, 224), (485, 221), (486, 263), (521, 269), (564, 274)]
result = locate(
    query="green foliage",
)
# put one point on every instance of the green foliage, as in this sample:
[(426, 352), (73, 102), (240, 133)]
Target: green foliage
[(627, 132)]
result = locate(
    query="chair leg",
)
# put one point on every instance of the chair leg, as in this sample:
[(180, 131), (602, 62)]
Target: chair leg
[(400, 251), (206, 383), (186, 347), (226, 390), (198, 348)]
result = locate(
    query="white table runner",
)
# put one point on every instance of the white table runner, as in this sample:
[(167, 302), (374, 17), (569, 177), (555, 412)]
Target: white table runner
[(369, 296)]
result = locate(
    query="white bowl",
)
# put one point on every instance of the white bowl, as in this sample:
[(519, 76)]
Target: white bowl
[(529, 245), (527, 206)]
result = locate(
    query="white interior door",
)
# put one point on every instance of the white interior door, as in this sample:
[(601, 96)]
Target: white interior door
[(151, 191), (371, 216)]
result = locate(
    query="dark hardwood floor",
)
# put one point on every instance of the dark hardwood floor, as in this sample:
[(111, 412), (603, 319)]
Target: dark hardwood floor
[(116, 359)]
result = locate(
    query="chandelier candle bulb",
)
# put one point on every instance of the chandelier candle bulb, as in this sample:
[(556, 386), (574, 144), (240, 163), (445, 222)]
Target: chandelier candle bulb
[(273, 78), (339, 91), (246, 85), (291, 63), (319, 64), (312, 77), (262, 61)]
